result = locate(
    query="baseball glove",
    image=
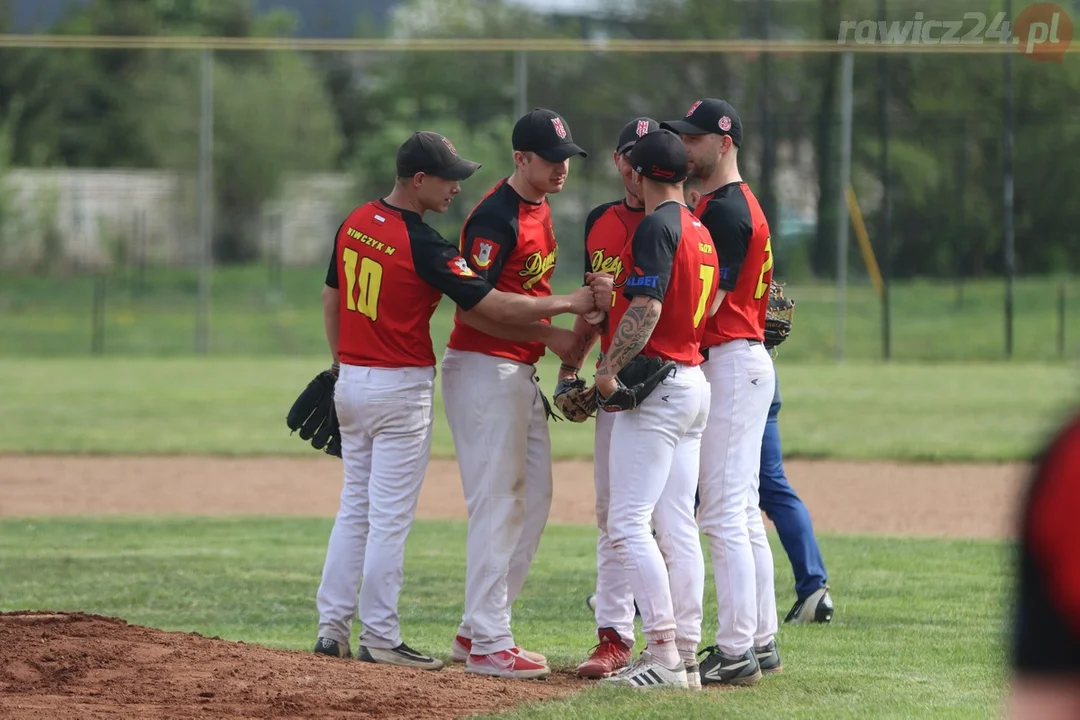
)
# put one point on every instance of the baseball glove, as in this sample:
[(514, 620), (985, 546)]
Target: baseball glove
[(576, 402), (778, 317), (313, 414), (635, 382)]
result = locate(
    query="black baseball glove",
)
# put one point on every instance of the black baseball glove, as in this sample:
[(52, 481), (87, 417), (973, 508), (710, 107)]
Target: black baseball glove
[(576, 402), (635, 382), (778, 317), (313, 414)]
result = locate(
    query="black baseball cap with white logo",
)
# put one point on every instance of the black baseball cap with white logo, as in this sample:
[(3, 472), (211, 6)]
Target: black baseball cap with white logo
[(432, 154), (660, 156), (709, 116), (547, 134), (634, 131)]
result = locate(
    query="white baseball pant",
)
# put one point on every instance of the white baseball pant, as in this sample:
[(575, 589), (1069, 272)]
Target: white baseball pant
[(614, 596), (655, 455), (503, 448), (386, 420), (742, 380)]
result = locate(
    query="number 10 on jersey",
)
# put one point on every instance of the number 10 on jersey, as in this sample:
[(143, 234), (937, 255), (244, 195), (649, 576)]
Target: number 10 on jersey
[(363, 281)]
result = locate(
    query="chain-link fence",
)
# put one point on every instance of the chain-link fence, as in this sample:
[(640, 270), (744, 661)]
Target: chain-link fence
[(103, 246)]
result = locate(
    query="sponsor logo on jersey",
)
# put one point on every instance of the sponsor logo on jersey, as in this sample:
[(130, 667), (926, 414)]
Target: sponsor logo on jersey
[(643, 281), (483, 253), (536, 267)]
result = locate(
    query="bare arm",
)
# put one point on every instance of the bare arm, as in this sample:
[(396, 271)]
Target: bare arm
[(331, 303), (720, 294), (533, 331), (631, 335), (587, 334)]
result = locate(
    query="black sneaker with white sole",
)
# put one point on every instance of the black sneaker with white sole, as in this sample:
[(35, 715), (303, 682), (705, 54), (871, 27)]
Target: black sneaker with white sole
[(402, 655), (720, 669), (817, 607), (333, 648), (768, 657)]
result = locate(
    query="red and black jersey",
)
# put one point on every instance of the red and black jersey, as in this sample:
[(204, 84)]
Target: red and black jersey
[(1047, 628), (743, 243), (510, 242), (674, 262), (394, 269), (608, 231)]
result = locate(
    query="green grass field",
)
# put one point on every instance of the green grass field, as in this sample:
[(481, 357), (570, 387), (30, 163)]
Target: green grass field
[(155, 315), (918, 631), (920, 624), (237, 406)]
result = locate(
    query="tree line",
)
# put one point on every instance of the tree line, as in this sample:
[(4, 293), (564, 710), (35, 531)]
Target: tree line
[(278, 112)]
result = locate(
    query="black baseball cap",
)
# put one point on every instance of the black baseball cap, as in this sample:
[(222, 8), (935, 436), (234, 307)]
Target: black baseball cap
[(433, 154), (709, 116), (660, 156), (634, 131), (547, 134)]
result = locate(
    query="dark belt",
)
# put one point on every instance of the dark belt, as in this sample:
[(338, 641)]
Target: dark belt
[(705, 351)]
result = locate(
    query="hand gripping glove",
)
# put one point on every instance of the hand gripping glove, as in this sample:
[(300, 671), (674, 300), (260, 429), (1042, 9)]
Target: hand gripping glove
[(635, 382), (313, 414), (778, 316), (575, 402)]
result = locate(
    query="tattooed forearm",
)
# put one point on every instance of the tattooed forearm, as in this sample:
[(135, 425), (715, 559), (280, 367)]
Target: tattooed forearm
[(633, 333)]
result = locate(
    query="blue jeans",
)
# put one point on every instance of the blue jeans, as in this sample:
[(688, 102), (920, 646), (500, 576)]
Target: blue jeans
[(786, 510)]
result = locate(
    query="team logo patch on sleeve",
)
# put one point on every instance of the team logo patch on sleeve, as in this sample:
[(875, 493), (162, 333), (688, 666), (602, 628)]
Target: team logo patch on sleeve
[(483, 252), (459, 267)]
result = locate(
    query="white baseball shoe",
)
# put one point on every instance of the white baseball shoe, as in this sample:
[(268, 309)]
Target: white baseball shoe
[(815, 608), (647, 673)]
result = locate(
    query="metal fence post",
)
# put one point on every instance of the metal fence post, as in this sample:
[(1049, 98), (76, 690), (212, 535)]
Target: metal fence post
[(847, 76), (206, 199)]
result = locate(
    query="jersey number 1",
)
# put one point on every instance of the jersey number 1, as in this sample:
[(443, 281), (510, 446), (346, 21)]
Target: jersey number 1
[(367, 279), (762, 286), (707, 274)]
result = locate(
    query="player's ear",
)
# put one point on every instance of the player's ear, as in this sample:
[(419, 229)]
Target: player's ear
[(418, 180)]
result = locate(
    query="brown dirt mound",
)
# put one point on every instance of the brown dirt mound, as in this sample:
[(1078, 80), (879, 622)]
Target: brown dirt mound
[(64, 666)]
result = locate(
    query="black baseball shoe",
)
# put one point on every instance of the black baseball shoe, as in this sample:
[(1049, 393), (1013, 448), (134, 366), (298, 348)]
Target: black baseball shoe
[(817, 607), (720, 669), (768, 657), (333, 648), (402, 655)]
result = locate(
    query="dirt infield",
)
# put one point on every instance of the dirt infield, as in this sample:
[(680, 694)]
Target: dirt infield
[(843, 497), (68, 666), (76, 666)]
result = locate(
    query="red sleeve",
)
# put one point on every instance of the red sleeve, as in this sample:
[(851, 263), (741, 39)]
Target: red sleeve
[(1054, 525)]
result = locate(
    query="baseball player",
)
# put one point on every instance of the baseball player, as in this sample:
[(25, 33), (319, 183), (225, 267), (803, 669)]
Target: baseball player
[(741, 378), (656, 439), (1045, 652), (387, 274), (786, 509), (608, 230), (496, 411)]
